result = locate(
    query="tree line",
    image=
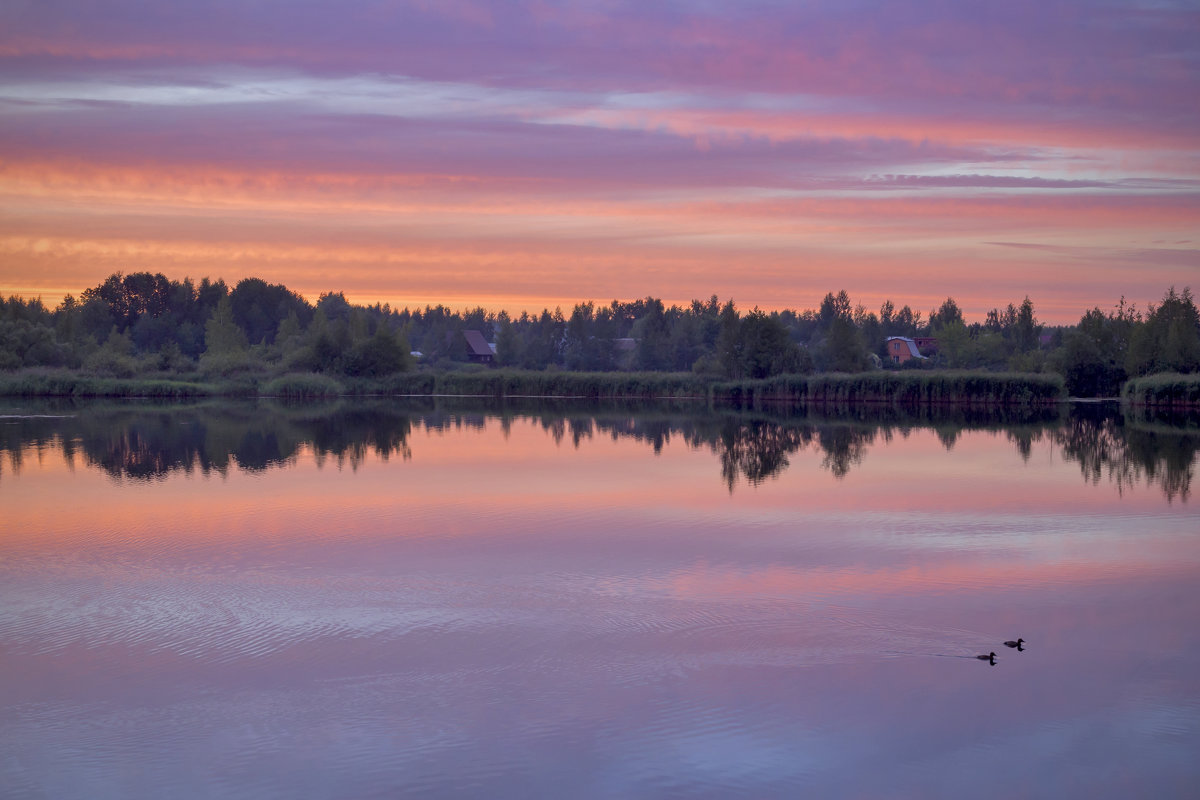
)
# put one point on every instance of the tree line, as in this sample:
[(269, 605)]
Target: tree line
[(144, 323)]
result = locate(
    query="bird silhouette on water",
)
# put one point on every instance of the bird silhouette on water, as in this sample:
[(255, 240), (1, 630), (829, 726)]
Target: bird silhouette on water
[(990, 658), (1017, 644)]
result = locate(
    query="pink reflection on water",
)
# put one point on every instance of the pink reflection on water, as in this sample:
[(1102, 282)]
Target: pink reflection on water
[(498, 606)]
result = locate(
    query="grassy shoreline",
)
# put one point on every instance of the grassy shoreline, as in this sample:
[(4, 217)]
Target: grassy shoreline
[(1168, 390), (881, 387), (904, 388)]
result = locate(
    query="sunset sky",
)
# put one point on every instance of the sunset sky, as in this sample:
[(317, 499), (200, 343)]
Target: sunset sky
[(535, 153)]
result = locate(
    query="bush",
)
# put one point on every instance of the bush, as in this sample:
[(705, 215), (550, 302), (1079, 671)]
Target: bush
[(229, 363), (385, 353), (110, 364)]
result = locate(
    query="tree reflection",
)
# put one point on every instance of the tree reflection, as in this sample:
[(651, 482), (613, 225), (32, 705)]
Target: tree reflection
[(150, 442), (1023, 439), (1132, 449), (147, 441), (844, 447), (757, 450)]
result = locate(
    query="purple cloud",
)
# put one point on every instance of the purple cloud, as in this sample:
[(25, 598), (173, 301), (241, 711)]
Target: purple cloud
[(833, 134)]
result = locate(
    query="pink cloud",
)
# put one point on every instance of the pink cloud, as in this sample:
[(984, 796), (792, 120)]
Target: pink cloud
[(768, 152)]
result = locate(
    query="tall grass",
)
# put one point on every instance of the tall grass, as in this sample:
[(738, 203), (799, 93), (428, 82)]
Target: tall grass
[(902, 388), (894, 387), (1165, 389), (302, 385), (529, 383), (58, 383), (910, 388), (419, 383)]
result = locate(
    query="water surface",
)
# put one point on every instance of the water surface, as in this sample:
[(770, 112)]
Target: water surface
[(379, 599)]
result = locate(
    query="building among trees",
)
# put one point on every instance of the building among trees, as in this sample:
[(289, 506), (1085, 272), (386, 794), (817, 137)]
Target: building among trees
[(478, 349), (901, 349)]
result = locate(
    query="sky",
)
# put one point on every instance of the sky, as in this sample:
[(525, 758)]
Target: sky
[(529, 154)]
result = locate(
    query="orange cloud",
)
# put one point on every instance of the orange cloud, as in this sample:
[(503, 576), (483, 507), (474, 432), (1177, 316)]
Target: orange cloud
[(525, 244)]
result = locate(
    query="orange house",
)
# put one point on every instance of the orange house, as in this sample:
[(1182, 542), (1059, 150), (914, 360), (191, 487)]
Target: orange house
[(901, 349)]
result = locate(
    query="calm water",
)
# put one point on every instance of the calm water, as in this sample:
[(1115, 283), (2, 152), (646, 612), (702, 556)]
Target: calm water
[(380, 599)]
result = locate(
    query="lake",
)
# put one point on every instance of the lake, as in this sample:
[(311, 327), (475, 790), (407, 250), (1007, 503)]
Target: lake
[(450, 598)]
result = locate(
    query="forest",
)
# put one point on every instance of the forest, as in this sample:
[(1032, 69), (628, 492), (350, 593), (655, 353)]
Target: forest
[(143, 325)]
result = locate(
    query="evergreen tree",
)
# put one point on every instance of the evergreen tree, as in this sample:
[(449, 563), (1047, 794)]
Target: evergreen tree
[(729, 343), (222, 336), (508, 343)]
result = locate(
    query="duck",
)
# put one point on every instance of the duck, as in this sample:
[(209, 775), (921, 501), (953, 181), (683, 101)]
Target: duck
[(1017, 644), (990, 658)]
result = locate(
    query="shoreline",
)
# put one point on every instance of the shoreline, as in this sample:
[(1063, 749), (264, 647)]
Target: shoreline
[(880, 387)]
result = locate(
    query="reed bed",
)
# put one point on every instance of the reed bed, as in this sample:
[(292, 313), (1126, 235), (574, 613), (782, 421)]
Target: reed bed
[(903, 388), (70, 384), (1168, 389), (303, 385), (528, 383), (900, 388)]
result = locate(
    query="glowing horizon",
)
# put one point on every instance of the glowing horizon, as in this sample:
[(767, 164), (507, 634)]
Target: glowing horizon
[(546, 154)]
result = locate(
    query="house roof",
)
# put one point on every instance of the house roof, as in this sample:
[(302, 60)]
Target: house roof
[(476, 344), (912, 346)]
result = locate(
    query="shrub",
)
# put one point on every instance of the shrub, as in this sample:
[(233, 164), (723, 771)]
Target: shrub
[(226, 364), (109, 363)]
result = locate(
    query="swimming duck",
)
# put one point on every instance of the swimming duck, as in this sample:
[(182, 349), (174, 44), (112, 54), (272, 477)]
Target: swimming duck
[(1017, 644), (990, 658)]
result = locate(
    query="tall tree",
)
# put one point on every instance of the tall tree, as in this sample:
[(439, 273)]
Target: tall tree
[(1092, 357), (1026, 330), (259, 307), (1169, 339), (947, 314)]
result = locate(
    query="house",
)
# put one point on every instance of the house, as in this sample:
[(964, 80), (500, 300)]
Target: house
[(478, 349), (901, 349), (927, 344)]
